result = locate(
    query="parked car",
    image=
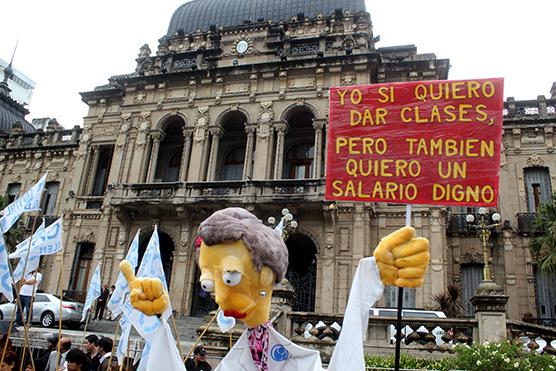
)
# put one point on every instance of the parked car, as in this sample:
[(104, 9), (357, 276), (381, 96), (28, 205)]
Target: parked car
[(410, 313), (46, 311)]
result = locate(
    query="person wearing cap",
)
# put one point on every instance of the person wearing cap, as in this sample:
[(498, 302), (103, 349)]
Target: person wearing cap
[(198, 362)]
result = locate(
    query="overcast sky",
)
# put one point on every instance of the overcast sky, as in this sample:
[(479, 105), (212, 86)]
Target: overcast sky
[(69, 46)]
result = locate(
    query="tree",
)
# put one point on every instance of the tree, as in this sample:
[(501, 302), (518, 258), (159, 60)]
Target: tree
[(15, 234), (543, 244), (449, 302)]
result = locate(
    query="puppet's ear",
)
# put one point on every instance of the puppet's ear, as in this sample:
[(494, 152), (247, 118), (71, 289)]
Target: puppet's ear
[(266, 276)]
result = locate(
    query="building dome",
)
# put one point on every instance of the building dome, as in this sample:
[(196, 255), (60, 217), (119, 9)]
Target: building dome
[(200, 14)]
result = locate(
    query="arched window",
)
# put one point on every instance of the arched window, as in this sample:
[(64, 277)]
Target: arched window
[(537, 186), (299, 161), (232, 168), (172, 172)]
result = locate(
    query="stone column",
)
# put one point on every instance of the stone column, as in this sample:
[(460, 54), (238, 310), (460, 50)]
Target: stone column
[(510, 271), (83, 161), (139, 153), (318, 125), (438, 251), (281, 130), (197, 159), (213, 159), (92, 170), (118, 159), (263, 148), (490, 311), (248, 163), (187, 133), (157, 136)]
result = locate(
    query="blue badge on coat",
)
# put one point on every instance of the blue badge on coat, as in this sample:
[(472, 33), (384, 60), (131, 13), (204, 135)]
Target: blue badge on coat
[(279, 353)]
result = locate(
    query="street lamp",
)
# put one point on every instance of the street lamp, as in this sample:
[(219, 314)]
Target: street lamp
[(286, 225), (485, 230)]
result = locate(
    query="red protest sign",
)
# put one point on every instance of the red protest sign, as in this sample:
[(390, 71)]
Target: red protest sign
[(427, 142)]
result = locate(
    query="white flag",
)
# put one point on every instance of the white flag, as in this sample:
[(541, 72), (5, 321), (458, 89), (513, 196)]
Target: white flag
[(22, 247), (46, 241), (5, 277), (164, 355), (151, 266), (125, 325), (122, 288), (29, 201), (52, 238), (93, 292)]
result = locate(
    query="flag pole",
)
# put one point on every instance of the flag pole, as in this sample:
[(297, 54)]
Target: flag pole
[(86, 325), (125, 361), (61, 292), (28, 326), (112, 352), (18, 301), (400, 303), (177, 334), (202, 334)]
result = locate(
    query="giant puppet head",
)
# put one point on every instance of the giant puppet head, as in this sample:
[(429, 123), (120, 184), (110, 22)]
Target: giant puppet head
[(240, 260)]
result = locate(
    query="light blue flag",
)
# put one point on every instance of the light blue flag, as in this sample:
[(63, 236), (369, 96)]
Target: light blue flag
[(121, 351), (22, 247), (46, 241), (52, 238), (151, 266), (122, 288), (93, 292), (5, 277), (29, 201)]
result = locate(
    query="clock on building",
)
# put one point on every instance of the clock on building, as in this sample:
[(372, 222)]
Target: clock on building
[(242, 46)]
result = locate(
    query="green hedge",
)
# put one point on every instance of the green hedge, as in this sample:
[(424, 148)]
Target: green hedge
[(502, 356)]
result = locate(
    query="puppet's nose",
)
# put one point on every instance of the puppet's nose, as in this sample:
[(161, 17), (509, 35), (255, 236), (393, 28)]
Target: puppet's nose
[(221, 292)]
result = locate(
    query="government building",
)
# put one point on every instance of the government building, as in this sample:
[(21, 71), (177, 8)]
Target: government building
[(231, 109)]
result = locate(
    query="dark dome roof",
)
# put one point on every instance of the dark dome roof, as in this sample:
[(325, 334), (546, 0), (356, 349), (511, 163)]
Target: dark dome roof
[(10, 113), (200, 14)]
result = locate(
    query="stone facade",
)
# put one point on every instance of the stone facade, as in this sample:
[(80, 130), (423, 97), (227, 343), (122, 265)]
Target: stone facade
[(204, 123)]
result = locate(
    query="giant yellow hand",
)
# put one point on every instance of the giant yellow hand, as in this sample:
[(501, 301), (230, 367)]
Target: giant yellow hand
[(402, 259), (147, 295)]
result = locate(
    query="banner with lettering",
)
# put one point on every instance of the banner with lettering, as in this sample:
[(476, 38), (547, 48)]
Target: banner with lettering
[(425, 142)]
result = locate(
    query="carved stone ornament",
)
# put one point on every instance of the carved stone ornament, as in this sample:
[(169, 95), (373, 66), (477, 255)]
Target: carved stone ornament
[(348, 78), (266, 112), (201, 124), (144, 51), (473, 257), (87, 236), (140, 97), (535, 160)]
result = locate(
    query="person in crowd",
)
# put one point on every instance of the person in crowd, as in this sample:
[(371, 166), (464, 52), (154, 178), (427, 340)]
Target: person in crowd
[(26, 292), (90, 344), (101, 302), (10, 363), (77, 360), (109, 315), (29, 365), (51, 343), (65, 346), (198, 362), (105, 350)]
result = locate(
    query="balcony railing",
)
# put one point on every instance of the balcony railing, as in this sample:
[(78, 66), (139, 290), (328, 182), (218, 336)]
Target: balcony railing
[(458, 226), (524, 221), (176, 193)]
